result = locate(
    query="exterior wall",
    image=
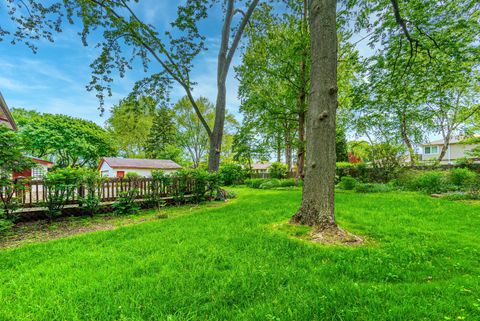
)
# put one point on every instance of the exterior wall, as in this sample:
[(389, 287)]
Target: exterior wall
[(106, 170), (453, 153)]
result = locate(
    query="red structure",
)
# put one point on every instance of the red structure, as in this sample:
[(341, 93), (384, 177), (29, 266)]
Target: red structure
[(36, 172)]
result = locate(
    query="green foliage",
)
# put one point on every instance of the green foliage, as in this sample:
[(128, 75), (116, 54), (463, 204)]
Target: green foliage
[(341, 148), (255, 182), (91, 183), (231, 174), (158, 189), (70, 141), (428, 182), (162, 138), (60, 187), (125, 203), (277, 170), (11, 160), (403, 230), (132, 175), (347, 183), (372, 188), (129, 125), (462, 177)]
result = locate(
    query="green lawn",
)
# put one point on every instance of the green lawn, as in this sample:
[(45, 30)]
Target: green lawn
[(234, 262)]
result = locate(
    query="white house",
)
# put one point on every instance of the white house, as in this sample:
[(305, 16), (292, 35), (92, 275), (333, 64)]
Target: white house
[(261, 168), (119, 167), (456, 150)]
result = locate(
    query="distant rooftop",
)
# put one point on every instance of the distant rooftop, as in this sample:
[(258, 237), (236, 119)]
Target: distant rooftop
[(117, 162), (260, 166)]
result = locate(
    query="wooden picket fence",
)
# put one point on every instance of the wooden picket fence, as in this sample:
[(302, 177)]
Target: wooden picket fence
[(34, 192)]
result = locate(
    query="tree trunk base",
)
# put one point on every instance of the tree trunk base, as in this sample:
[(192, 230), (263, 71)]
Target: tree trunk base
[(334, 235), (326, 232)]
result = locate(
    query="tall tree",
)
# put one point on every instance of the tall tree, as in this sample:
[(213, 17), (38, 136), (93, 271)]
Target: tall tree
[(162, 138), (317, 208), (63, 139), (129, 124), (124, 30)]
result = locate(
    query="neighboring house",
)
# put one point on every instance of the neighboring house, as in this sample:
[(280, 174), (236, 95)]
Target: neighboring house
[(261, 168), (5, 115), (119, 167), (456, 150), (36, 172)]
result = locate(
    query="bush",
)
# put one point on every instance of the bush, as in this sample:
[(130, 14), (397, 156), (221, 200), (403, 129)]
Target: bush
[(60, 185), (429, 182), (132, 175), (462, 177), (277, 170), (231, 194), (270, 184), (347, 183), (157, 189), (372, 188), (231, 174), (255, 182), (10, 191), (290, 182), (91, 182), (125, 202), (5, 223)]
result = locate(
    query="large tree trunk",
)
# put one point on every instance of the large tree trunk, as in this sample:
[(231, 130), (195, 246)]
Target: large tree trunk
[(225, 56), (217, 133), (317, 207), (301, 101)]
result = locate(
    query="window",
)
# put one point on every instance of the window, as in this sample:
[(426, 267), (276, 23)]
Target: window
[(38, 172), (429, 150)]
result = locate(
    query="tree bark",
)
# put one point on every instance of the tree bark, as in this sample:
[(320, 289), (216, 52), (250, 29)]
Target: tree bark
[(288, 150), (225, 56), (406, 139), (317, 208)]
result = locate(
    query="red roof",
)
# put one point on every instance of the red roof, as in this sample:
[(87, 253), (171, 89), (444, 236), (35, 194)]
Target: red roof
[(40, 161), (140, 163)]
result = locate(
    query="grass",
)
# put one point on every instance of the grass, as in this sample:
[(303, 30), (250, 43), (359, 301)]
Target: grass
[(241, 262)]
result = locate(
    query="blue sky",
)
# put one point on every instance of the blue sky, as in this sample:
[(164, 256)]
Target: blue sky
[(53, 80)]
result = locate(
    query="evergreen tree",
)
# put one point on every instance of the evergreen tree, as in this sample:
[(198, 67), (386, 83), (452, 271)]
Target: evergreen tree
[(161, 141)]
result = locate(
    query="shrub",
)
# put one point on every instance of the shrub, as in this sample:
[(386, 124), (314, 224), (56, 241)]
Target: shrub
[(277, 170), (429, 182), (255, 182), (347, 183), (372, 188), (60, 185), (213, 186), (462, 177), (132, 175), (157, 188), (231, 194), (270, 184), (91, 182), (290, 182), (231, 174), (5, 223), (125, 202), (10, 191)]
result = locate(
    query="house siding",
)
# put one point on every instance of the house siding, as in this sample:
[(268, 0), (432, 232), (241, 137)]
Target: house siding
[(453, 153), (107, 171)]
